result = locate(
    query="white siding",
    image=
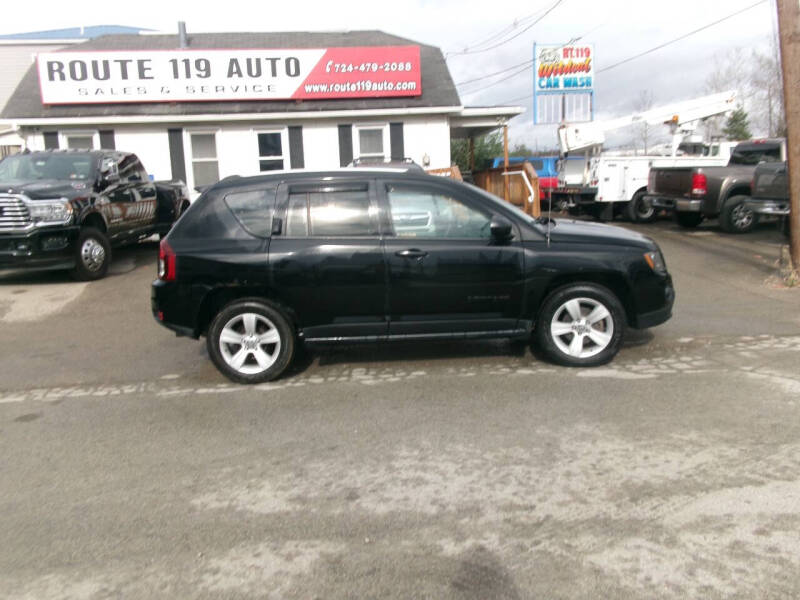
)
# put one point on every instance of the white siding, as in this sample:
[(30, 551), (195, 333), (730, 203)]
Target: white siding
[(321, 145), (150, 145), (428, 136)]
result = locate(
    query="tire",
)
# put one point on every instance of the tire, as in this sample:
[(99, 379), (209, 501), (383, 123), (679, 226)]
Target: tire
[(735, 217), (247, 358), (688, 220), (640, 210), (92, 255), (563, 321)]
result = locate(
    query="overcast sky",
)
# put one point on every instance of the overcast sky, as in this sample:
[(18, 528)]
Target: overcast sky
[(618, 29)]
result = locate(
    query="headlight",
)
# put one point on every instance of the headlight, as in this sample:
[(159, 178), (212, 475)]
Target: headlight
[(50, 211), (655, 261)]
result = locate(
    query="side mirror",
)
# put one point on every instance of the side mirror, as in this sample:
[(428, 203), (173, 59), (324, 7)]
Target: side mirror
[(501, 229), (109, 172)]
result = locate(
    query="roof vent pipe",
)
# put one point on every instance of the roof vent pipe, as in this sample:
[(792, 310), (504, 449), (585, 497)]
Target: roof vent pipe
[(183, 41)]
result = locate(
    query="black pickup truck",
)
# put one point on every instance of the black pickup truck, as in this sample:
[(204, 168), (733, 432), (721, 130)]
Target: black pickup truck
[(65, 209), (770, 196), (696, 193)]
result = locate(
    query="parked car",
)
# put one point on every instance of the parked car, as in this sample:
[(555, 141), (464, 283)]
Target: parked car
[(770, 195), (707, 192), (65, 209), (260, 264)]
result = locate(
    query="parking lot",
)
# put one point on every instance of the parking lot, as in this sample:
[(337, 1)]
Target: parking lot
[(132, 468)]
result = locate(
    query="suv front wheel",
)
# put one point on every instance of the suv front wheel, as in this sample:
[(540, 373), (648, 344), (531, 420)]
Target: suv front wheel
[(580, 325), (251, 341)]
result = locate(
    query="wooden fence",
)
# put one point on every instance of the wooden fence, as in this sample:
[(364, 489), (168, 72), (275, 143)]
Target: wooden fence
[(494, 182)]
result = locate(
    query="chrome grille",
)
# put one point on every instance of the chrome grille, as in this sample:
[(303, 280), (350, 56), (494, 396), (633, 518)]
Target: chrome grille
[(14, 214)]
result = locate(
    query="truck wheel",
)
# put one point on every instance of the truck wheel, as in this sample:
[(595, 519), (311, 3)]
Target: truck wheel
[(580, 325), (92, 255), (250, 341), (735, 217), (689, 220), (640, 210)]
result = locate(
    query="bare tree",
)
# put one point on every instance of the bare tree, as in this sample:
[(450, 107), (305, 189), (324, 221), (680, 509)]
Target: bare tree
[(643, 102), (756, 77)]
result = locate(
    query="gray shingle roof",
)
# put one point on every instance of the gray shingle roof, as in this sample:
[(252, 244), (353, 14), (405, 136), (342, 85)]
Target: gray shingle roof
[(437, 85)]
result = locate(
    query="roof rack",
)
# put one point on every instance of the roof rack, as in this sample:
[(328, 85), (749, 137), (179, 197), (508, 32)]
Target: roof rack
[(389, 163)]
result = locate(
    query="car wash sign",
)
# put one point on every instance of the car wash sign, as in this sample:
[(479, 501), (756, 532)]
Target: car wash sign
[(102, 77), (563, 82)]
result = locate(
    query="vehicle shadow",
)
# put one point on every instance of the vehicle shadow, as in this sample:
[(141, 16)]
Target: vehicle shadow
[(413, 352), (124, 259)]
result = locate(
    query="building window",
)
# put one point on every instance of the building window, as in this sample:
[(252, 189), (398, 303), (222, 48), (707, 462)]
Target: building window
[(371, 142), (79, 140), (205, 167), (270, 151)]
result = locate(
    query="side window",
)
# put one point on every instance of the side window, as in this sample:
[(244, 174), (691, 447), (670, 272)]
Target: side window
[(254, 209), (205, 167), (430, 214), (331, 213)]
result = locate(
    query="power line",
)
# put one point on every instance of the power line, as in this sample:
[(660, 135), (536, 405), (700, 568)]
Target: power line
[(529, 62), (505, 41), (526, 63), (514, 74), (684, 36), (507, 29)]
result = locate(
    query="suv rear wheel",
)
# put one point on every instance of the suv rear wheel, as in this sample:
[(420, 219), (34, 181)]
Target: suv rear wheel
[(580, 325), (251, 341)]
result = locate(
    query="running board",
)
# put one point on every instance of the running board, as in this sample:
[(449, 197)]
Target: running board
[(459, 335)]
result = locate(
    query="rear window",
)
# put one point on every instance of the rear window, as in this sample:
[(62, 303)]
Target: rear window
[(237, 216), (754, 154), (254, 209)]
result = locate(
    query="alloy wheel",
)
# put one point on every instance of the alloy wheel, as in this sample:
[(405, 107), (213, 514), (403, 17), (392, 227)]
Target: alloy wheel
[(582, 327), (93, 255), (250, 343)]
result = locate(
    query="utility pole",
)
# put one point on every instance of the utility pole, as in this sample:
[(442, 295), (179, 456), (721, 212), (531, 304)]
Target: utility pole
[(789, 28)]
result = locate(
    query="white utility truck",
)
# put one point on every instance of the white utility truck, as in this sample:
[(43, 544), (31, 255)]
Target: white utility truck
[(604, 185)]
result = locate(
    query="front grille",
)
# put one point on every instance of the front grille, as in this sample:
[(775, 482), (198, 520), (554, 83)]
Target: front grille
[(14, 214)]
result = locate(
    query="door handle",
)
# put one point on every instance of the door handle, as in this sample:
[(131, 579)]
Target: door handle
[(411, 253)]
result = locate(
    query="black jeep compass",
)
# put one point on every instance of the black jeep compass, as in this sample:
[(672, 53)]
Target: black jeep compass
[(260, 264)]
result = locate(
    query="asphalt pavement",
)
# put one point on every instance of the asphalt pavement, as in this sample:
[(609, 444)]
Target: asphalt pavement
[(132, 469)]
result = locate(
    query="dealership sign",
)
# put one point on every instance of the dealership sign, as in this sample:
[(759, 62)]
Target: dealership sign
[(104, 77)]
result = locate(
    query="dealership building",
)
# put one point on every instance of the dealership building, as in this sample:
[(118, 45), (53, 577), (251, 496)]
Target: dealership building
[(201, 107)]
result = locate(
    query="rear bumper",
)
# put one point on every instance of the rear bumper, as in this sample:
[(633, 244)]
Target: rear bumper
[(677, 204), (169, 308), (778, 208), (40, 249)]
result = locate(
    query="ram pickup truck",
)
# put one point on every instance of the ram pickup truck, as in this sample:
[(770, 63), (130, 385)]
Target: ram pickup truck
[(66, 209), (697, 193), (770, 195)]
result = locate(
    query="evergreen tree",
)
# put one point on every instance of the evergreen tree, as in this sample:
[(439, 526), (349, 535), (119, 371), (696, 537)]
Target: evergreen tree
[(736, 127), (486, 148)]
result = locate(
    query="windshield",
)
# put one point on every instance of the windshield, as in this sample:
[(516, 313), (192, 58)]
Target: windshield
[(753, 155), (37, 166)]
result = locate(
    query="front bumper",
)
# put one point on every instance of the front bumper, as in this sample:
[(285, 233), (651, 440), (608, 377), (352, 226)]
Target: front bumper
[(678, 204), (39, 249), (659, 315), (778, 208)]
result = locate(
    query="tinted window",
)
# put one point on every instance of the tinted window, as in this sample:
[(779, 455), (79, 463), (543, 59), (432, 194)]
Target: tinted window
[(752, 155), (210, 218), (537, 165), (331, 213), (431, 214), (253, 209)]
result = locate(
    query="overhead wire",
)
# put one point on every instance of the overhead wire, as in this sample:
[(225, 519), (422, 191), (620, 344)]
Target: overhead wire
[(672, 41)]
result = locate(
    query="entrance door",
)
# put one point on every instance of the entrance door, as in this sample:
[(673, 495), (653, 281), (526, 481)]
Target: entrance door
[(447, 276)]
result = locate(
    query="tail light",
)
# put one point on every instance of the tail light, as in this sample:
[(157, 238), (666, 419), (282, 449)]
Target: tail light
[(699, 184), (166, 262)]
